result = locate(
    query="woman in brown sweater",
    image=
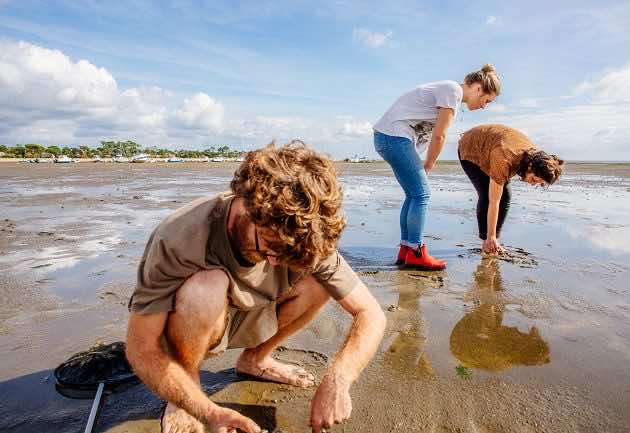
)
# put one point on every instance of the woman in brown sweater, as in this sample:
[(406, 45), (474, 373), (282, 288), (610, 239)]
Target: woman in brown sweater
[(491, 155)]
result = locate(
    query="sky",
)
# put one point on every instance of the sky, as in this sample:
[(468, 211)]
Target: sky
[(189, 74)]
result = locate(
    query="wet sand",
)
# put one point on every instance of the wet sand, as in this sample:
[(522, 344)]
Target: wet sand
[(538, 341)]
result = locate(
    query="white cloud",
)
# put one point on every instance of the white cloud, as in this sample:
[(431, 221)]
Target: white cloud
[(576, 132), (574, 126), (282, 123), (36, 77), (614, 86), (496, 107), (355, 129), (46, 96), (201, 112), (591, 123), (530, 102), (599, 21), (51, 131), (491, 19), (263, 129), (49, 98), (372, 39), (614, 240)]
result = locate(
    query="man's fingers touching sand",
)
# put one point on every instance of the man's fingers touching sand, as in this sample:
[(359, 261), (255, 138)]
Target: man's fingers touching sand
[(228, 420)]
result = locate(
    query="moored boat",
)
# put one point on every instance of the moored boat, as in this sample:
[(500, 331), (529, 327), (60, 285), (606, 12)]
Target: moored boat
[(141, 157), (63, 159)]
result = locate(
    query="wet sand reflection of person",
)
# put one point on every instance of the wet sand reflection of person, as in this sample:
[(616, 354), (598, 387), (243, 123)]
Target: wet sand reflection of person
[(479, 340), (405, 355)]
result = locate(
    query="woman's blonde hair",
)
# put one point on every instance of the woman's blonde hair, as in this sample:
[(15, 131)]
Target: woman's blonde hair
[(487, 76), (293, 191)]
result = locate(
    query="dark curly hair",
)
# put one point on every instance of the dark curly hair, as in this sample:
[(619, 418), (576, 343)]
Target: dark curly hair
[(545, 166), (293, 191)]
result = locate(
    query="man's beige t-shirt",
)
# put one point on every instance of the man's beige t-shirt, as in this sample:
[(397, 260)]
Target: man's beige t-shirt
[(496, 149), (194, 238)]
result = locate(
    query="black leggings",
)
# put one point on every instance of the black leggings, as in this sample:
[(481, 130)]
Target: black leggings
[(481, 182)]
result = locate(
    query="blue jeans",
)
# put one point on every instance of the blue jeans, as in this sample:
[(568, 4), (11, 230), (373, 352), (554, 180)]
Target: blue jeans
[(407, 166)]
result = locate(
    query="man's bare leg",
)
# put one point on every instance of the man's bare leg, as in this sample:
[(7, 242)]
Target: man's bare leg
[(197, 324), (295, 311)]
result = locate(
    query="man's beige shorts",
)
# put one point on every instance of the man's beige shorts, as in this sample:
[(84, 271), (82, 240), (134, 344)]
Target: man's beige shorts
[(246, 329)]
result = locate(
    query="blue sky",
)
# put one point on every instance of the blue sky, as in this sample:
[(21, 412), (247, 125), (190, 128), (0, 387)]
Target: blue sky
[(195, 74)]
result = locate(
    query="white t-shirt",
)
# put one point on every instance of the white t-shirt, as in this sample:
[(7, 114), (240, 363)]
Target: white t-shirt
[(414, 114)]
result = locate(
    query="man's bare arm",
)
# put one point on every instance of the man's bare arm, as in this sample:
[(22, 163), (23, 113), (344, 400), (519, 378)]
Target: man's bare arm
[(167, 378), (366, 332), (332, 403)]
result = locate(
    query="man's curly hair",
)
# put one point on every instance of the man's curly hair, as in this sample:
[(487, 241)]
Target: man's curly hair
[(293, 191), (544, 165)]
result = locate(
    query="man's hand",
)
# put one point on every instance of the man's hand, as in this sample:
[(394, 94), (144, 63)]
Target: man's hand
[(222, 420), (331, 404)]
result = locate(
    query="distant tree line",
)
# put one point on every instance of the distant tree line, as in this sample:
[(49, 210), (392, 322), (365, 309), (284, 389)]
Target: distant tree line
[(110, 149)]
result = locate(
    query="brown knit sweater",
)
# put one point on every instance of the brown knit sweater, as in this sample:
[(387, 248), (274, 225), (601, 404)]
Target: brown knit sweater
[(496, 149)]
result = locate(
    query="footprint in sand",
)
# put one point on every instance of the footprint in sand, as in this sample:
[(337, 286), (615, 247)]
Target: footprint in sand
[(301, 357)]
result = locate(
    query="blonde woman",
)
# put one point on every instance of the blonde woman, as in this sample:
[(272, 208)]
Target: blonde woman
[(419, 118)]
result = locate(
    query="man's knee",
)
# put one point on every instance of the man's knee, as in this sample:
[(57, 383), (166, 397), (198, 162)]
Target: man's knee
[(203, 296)]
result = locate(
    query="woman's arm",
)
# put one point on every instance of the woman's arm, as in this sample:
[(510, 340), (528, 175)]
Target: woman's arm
[(438, 138), (495, 190)]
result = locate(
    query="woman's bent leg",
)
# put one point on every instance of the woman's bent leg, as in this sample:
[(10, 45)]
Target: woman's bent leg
[(419, 196), (482, 216), (401, 155), (404, 233), (407, 166), (481, 182), (387, 147), (504, 206)]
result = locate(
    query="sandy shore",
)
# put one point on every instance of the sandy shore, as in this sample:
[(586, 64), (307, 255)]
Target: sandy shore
[(536, 343)]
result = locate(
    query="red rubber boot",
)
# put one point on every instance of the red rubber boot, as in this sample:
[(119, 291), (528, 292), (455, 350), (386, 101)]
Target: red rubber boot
[(420, 259), (402, 253)]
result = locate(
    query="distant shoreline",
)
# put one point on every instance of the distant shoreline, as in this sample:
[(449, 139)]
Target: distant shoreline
[(201, 160)]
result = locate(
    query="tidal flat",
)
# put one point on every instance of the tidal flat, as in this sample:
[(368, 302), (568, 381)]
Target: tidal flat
[(538, 341)]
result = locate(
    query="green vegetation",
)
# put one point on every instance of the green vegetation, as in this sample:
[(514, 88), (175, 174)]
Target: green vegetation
[(110, 149), (463, 372)]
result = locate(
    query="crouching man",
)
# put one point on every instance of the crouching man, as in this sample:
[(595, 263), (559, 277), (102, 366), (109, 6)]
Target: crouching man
[(247, 270)]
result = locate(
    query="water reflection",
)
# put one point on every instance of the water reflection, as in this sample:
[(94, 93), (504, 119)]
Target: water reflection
[(479, 339), (405, 354)]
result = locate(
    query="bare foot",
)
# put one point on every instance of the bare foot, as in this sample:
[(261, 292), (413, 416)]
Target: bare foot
[(176, 420), (273, 370)]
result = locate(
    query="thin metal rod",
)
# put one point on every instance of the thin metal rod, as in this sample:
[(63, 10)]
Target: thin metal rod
[(95, 406)]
